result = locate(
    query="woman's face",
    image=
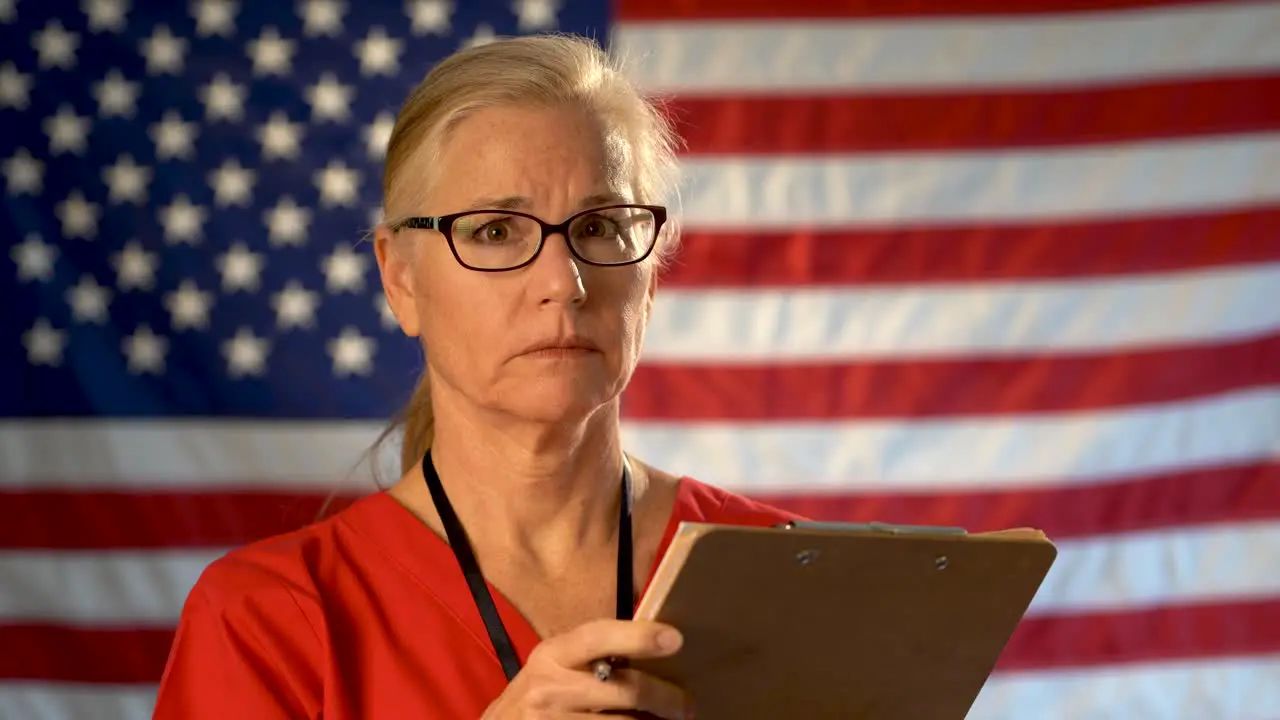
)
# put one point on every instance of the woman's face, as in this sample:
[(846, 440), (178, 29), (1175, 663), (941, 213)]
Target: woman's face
[(477, 327)]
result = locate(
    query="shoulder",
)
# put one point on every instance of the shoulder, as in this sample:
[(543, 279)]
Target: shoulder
[(698, 501)]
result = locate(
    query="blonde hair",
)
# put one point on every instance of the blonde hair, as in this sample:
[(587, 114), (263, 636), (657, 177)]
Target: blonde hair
[(540, 70)]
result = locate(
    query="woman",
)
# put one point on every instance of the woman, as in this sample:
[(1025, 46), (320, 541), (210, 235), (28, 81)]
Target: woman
[(522, 249)]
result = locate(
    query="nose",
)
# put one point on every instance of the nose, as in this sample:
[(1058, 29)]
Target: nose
[(556, 276)]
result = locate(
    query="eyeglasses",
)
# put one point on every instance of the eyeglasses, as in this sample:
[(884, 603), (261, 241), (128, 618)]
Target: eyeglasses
[(497, 240)]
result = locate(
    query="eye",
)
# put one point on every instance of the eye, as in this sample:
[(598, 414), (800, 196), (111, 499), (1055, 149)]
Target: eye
[(597, 226), (494, 231)]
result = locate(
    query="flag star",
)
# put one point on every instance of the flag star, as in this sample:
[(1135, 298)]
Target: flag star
[(344, 270), (279, 137), (295, 306), (321, 17), (271, 54), (330, 99), (15, 88), (78, 216), (23, 173), (378, 133), (223, 99), (105, 14), (385, 313), (375, 216), (240, 268), (126, 181), (352, 353), (173, 137), (215, 17), (535, 15), (182, 220), (189, 306), (378, 53), (44, 344), (232, 184), (135, 267), (246, 353), (145, 351), (67, 131), (287, 222), (339, 185), (429, 16), (89, 300), (8, 11), (34, 258), (482, 36), (116, 96), (165, 53), (55, 46)]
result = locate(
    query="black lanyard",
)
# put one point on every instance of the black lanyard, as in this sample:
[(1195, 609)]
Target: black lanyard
[(457, 539)]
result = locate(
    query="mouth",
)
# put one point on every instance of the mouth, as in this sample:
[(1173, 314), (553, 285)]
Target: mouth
[(562, 348)]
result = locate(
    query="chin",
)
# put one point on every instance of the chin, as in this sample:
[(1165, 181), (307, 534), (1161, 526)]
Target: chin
[(551, 400)]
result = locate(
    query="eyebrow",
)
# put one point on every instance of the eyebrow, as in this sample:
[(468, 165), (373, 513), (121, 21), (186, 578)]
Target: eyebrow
[(519, 202)]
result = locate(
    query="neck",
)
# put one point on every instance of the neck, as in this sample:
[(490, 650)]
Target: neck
[(532, 491)]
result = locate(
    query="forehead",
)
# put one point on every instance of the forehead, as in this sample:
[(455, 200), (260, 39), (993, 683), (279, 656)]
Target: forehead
[(547, 155)]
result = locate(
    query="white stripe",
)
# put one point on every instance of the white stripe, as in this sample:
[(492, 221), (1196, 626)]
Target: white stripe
[(1078, 49), (952, 454), (1124, 571), (755, 326), (1226, 689), (1044, 184)]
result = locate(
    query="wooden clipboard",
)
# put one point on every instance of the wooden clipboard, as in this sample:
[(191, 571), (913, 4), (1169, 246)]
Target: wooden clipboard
[(849, 621)]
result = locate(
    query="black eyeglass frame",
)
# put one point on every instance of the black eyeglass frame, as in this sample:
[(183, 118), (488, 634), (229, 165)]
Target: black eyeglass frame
[(443, 224)]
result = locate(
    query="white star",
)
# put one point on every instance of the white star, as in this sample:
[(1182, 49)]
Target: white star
[(164, 52), (223, 99), (344, 270), (78, 216), (232, 184), (535, 14), (240, 268), (55, 46), (329, 99), (287, 222), (67, 131), (279, 137), (8, 11), (89, 300), (135, 267), (378, 53), (145, 351), (215, 17), (378, 133), (271, 54), (116, 96), (189, 306), (182, 220), (339, 185), (173, 137), (321, 17), (34, 258), (15, 88), (429, 16), (23, 173), (482, 36), (352, 353), (295, 306), (105, 14), (126, 181), (44, 344), (246, 353), (385, 314)]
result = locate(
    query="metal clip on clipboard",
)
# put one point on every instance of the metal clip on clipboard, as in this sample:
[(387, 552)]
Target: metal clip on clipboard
[(872, 527)]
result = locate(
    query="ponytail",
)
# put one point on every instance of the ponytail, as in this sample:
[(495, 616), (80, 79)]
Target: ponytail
[(419, 424)]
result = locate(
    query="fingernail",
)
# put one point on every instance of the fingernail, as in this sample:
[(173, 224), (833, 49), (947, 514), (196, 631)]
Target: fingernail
[(669, 639)]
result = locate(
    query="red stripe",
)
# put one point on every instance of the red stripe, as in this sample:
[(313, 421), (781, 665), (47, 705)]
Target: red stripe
[(74, 519), (917, 255), (128, 656), (672, 10), (928, 388), (972, 119), (1200, 496)]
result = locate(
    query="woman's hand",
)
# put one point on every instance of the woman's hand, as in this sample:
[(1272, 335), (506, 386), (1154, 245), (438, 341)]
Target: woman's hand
[(557, 682)]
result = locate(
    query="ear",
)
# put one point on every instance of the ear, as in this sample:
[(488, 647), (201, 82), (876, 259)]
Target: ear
[(395, 264)]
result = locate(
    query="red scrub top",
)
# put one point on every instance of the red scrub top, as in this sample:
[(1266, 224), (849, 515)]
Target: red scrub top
[(362, 615)]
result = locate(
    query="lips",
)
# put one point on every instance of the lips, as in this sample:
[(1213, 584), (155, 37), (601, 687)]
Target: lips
[(564, 345)]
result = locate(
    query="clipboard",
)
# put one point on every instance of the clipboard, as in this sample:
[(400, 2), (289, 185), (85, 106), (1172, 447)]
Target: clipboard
[(858, 621)]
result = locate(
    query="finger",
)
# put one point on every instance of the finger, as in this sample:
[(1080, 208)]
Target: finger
[(612, 638), (630, 690)]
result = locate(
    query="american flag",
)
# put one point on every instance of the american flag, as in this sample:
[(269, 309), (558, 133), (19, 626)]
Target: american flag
[(959, 262)]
